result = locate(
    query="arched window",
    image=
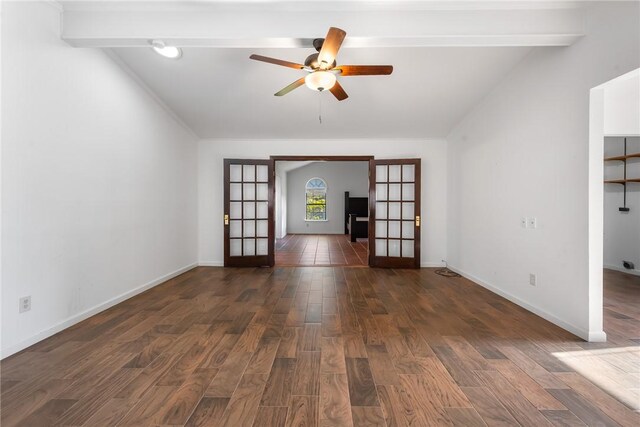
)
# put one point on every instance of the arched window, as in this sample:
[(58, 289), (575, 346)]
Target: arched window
[(316, 197)]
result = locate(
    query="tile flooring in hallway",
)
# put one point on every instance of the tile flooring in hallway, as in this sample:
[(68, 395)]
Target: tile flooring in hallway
[(320, 249), (327, 346)]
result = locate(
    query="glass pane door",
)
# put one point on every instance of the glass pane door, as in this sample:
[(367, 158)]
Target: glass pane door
[(395, 213), (249, 234)]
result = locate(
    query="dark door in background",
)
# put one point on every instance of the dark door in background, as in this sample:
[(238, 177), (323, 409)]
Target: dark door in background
[(249, 216), (394, 213)]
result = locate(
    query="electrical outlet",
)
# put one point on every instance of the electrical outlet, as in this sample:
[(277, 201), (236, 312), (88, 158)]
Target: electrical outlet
[(25, 304), (523, 222), (532, 222), (532, 279)]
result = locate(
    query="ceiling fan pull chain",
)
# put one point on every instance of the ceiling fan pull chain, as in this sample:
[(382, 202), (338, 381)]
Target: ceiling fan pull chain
[(320, 107)]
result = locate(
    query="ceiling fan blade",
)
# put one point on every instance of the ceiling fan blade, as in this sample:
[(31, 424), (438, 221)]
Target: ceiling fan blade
[(364, 70), (339, 92), (277, 61), (291, 87), (330, 47)]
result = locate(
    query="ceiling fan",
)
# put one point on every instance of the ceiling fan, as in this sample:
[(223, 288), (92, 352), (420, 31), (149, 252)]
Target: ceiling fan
[(322, 67)]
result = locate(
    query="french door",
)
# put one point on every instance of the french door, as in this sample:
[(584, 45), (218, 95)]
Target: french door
[(248, 213), (394, 213)]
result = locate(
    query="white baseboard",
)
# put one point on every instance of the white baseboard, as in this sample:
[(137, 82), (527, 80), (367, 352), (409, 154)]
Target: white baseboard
[(622, 269), (597, 336), (591, 336), (431, 264), (426, 264), (211, 264), (76, 318)]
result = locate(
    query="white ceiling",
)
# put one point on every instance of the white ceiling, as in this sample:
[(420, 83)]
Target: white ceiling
[(220, 93), (447, 55)]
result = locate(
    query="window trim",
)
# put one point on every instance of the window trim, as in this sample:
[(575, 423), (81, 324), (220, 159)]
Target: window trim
[(326, 188)]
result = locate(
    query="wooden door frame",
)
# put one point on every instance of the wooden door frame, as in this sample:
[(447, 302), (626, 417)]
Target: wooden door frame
[(271, 251), (323, 158), (398, 262), (372, 196)]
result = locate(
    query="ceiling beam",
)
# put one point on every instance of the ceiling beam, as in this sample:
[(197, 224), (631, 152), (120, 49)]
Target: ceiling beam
[(253, 26)]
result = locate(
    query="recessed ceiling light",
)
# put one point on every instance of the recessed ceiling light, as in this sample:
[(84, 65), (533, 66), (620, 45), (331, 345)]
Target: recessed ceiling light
[(161, 48)]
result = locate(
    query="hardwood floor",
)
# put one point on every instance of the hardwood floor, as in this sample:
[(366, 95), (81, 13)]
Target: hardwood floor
[(327, 346), (296, 250)]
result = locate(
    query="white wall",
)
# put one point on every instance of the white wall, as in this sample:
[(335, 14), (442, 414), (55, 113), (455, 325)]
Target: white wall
[(98, 181), (281, 204), (433, 153), (281, 214), (524, 151), (622, 105), (340, 177)]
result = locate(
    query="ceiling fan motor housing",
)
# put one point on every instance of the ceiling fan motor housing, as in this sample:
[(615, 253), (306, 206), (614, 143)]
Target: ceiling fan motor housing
[(313, 63)]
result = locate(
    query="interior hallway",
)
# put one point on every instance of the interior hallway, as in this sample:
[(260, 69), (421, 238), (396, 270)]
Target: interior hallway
[(326, 346), (320, 250)]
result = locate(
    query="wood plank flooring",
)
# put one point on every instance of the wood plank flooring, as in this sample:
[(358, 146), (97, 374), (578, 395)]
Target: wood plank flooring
[(327, 346), (321, 250)]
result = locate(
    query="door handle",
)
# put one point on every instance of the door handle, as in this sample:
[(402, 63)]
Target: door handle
[(226, 219), (417, 220)]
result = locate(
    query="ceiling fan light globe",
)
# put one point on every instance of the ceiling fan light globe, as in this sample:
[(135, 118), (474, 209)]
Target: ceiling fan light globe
[(320, 80)]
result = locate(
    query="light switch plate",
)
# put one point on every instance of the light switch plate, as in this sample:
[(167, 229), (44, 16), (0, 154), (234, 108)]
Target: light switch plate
[(532, 222)]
